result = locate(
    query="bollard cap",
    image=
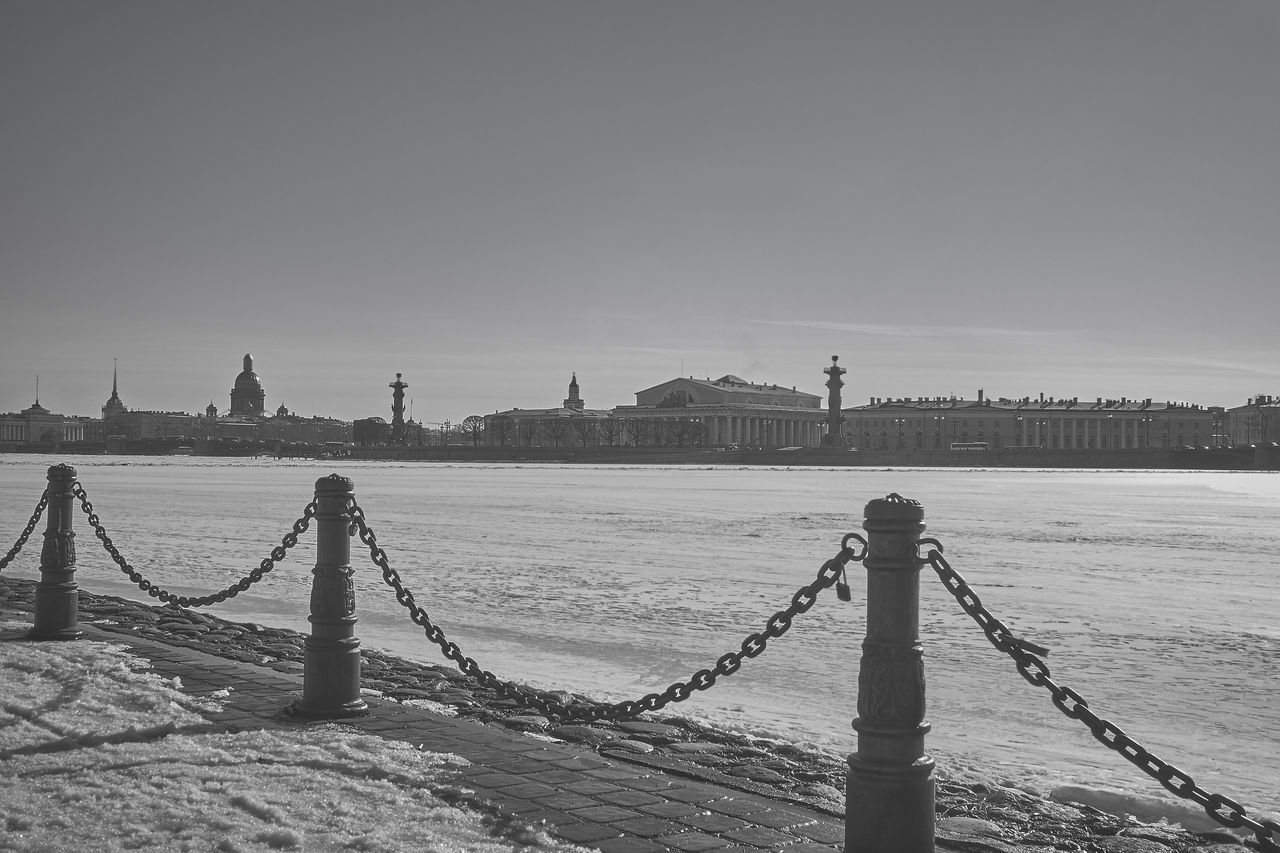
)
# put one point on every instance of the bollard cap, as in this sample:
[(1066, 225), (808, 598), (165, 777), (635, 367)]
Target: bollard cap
[(894, 507), (334, 483), (62, 470)]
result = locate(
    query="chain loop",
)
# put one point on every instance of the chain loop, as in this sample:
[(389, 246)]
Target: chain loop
[(277, 554), (553, 708), (26, 532), (1026, 656)]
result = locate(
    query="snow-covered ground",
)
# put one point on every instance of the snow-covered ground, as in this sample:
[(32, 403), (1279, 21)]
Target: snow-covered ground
[(1156, 591), (98, 753)]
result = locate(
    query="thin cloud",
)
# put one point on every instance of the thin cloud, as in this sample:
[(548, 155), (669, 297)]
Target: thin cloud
[(911, 331)]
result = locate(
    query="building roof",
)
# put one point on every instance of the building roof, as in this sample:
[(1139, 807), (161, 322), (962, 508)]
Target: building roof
[(1099, 404)]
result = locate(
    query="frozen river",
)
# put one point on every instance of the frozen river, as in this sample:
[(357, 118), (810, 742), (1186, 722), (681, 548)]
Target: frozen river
[(1157, 592)]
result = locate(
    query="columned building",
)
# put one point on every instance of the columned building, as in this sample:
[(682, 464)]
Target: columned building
[(723, 412), (943, 423), (571, 424), (37, 425)]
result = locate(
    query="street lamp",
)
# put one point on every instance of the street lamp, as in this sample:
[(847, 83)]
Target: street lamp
[(899, 422), (1111, 431)]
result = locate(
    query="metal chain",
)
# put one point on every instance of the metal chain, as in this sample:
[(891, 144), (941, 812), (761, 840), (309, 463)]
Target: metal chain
[(1027, 658), (557, 711), (26, 533), (278, 553)]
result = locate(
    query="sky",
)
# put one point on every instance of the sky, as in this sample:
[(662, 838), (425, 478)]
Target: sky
[(1077, 199)]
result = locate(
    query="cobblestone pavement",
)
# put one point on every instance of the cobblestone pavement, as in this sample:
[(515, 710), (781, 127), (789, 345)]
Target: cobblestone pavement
[(627, 787)]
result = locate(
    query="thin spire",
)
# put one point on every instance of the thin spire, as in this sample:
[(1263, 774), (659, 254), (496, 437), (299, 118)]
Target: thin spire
[(115, 369)]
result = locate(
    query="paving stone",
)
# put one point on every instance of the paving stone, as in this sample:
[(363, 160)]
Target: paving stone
[(760, 836), (631, 798), (647, 728), (630, 745), (647, 827), (675, 811), (693, 842), (697, 746), (585, 833), (713, 822), (628, 845), (604, 813), (822, 833)]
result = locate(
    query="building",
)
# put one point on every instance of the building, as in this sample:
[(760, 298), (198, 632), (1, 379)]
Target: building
[(140, 425), (247, 397), (941, 423), (681, 412), (114, 405), (37, 425), (724, 412), (571, 424), (1257, 422)]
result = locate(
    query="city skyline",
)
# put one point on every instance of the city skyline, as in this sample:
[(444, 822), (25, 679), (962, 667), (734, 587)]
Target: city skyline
[(1068, 199)]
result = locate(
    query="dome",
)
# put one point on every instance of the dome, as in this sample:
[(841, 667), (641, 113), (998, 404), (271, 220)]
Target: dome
[(248, 380), (247, 395)]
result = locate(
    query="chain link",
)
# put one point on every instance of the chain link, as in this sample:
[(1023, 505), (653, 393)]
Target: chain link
[(553, 708), (26, 533), (1026, 656), (277, 554)]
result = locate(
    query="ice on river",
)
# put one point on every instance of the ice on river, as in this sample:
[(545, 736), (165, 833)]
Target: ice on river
[(1157, 592)]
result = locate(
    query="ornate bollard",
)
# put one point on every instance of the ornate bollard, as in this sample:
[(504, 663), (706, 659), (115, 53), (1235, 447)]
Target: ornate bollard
[(889, 796), (331, 656), (57, 596)]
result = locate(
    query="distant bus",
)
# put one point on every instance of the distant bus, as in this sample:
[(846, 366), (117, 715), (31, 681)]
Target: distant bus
[(969, 445)]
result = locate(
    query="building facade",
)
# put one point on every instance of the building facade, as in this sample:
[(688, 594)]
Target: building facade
[(1256, 422), (940, 423), (681, 412), (726, 412), (37, 425), (571, 424)]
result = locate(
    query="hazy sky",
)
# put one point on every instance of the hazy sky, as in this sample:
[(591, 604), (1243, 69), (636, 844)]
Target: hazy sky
[(1077, 198)]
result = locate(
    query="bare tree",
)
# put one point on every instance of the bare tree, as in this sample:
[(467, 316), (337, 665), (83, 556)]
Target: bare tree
[(527, 430), (555, 430), (609, 430), (473, 426), (641, 430), (502, 428), (584, 428)]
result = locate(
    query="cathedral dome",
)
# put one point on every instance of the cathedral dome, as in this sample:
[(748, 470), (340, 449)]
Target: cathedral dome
[(247, 395)]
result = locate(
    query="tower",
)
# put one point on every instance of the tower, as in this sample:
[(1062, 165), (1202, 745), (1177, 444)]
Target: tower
[(834, 438), (247, 396), (397, 410), (574, 400), (114, 406)]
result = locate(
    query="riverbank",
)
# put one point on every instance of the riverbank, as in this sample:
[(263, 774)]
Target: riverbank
[(1262, 458), (974, 813)]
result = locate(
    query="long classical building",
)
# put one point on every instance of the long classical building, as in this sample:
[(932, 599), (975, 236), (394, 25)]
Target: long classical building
[(1256, 422), (37, 425), (1059, 424), (681, 412)]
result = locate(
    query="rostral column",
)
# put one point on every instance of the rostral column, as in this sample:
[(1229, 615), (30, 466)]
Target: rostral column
[(397, 410), (833, 437)]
